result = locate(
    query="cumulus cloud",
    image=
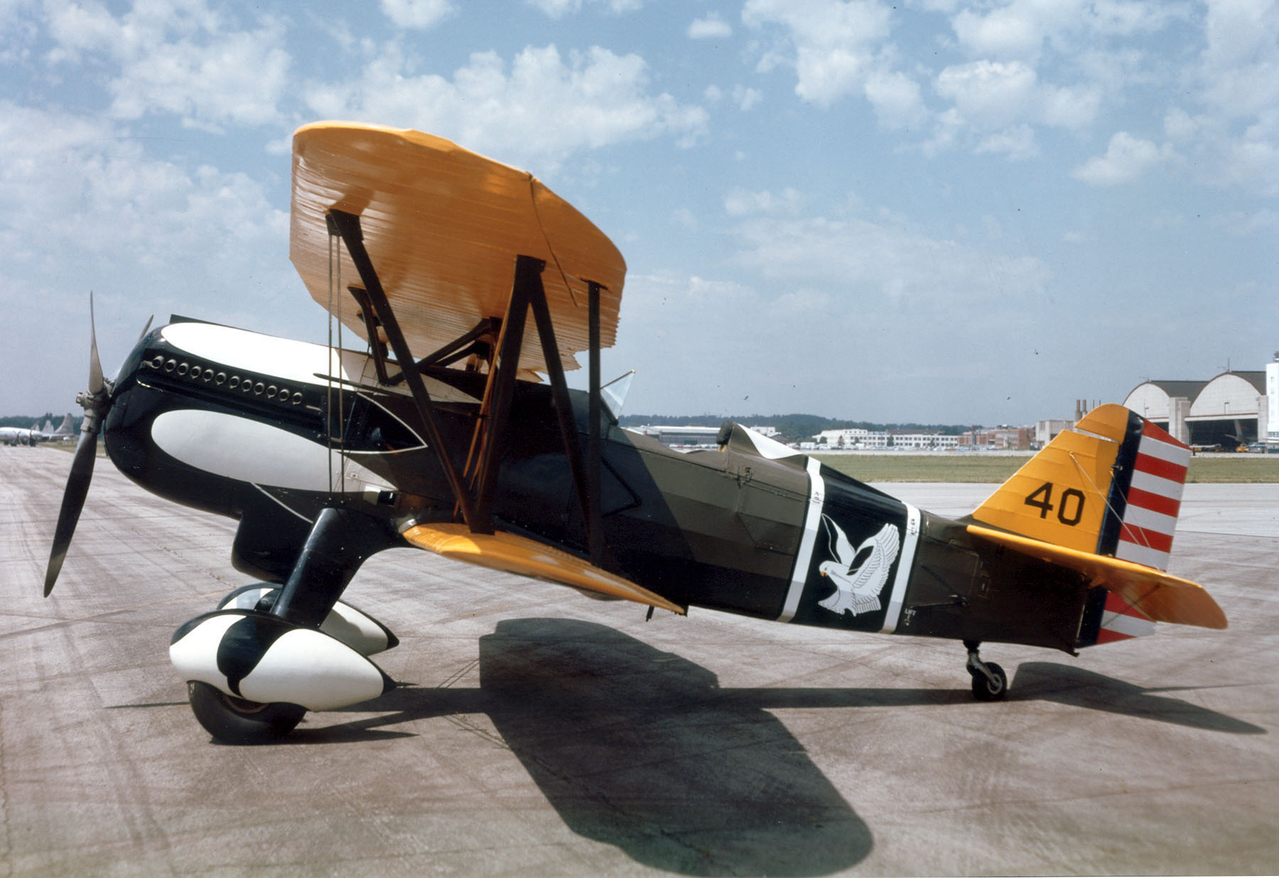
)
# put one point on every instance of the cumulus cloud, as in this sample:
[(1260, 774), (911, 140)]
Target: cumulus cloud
[(1240, 63), (99, 213), (712, 27), (595, 98), (896, 100), (742, 202), (832, 45), (900, 265), (746, 98), (1016, 142), (418, 14), (989, 94), (561, 8), (1011, 31), (180, 58), (1022, 29), (1126, 159)]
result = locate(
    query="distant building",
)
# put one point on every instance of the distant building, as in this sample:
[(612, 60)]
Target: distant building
[(1272, 398), (860, 439), (924, 441), (851, 438), (1046, 430), (999, 438), (1233, 409)]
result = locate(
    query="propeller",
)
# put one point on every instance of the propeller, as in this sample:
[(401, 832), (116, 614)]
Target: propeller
[(96, 402)]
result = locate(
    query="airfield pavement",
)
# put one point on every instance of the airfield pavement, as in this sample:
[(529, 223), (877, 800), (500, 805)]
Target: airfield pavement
[(540, 733)]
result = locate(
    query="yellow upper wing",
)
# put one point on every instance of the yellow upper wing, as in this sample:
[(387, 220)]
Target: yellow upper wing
[(443, 227)]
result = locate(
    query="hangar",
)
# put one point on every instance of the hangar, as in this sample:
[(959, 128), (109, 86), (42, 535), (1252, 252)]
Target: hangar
[(1230, 410)]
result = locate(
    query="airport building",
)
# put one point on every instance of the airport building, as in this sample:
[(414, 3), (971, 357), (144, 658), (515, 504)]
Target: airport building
[(1231, 410), (1046, 429), (1003, 438), (861, 439)]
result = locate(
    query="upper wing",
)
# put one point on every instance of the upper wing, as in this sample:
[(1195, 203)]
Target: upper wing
[(443, 227), (516, 554)]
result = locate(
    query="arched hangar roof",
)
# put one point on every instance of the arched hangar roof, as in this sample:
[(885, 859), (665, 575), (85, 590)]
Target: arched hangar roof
[(1150, 399), (1230, 394), (1227, 395)]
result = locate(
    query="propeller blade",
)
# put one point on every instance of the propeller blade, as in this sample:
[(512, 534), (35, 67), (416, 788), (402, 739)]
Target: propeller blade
[(95, 365), (142, 334), (72, 503)]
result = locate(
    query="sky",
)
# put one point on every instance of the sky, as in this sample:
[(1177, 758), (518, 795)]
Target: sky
[(923, 211)]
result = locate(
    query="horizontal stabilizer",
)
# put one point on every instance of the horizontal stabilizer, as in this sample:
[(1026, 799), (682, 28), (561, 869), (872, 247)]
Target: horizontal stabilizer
[(516, 554), (1159, 596)]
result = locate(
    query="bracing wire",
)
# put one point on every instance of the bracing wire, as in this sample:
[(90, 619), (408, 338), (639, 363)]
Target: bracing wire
[(1136, 537)]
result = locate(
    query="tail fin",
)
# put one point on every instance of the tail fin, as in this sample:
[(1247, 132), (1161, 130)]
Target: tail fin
[(1103, 499), (1111, 486)]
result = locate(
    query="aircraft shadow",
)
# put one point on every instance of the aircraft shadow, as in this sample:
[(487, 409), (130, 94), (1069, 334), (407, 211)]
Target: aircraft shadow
[(640, 749), (1066, 684), (633, 747)]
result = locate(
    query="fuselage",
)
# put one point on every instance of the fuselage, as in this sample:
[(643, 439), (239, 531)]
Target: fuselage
[(271, 431)]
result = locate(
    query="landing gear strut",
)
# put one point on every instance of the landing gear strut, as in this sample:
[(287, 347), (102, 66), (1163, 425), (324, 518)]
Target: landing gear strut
[(990, 683)]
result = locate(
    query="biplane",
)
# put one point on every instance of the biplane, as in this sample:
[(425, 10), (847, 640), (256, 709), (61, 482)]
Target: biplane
[(449, 426)]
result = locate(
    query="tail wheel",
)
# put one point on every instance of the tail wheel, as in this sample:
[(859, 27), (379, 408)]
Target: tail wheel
[(992, 688), (233, 720)]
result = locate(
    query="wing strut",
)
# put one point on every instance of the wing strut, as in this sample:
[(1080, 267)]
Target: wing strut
[(475, 500), (348, 227), (594, 468), (528, 294)]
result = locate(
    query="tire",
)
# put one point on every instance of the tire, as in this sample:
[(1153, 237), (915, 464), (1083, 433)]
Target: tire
[(236, 721), (986, 690)]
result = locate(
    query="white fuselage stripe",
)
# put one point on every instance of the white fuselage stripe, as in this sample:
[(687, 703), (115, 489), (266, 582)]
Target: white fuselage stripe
[(812, 520), (902, 579)]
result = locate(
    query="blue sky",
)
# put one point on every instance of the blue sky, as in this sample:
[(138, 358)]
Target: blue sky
[(922, 211)]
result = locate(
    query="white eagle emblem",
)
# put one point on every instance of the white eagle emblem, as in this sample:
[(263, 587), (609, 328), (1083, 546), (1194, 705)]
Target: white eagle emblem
[(857, 588)]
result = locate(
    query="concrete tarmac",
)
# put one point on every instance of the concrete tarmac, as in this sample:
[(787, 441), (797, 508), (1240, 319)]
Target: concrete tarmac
[(541, 733)]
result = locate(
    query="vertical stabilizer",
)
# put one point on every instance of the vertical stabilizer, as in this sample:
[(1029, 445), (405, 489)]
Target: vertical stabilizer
[(1110, 486)]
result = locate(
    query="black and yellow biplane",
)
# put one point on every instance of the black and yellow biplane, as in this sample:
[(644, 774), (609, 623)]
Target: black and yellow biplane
[(466, 280)]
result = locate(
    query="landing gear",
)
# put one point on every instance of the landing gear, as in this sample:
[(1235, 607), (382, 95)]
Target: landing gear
[(236, 721), (990, 683), (253, 671)]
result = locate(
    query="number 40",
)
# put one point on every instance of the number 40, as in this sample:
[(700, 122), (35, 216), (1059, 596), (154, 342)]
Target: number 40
[(1070, 508)]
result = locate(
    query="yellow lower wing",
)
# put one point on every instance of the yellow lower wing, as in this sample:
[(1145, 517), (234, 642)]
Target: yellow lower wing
[(1162, 597), (516, 554)]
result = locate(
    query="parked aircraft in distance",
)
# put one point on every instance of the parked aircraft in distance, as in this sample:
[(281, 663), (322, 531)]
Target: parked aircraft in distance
[(22, 436), (467, 279)]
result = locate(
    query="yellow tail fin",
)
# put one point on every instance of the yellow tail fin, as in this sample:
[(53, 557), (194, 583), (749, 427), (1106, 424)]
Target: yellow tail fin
[(1103, 499), (1110, 486)]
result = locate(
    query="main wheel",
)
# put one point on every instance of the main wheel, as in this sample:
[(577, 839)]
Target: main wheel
[(985, 689), (236, 721)]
